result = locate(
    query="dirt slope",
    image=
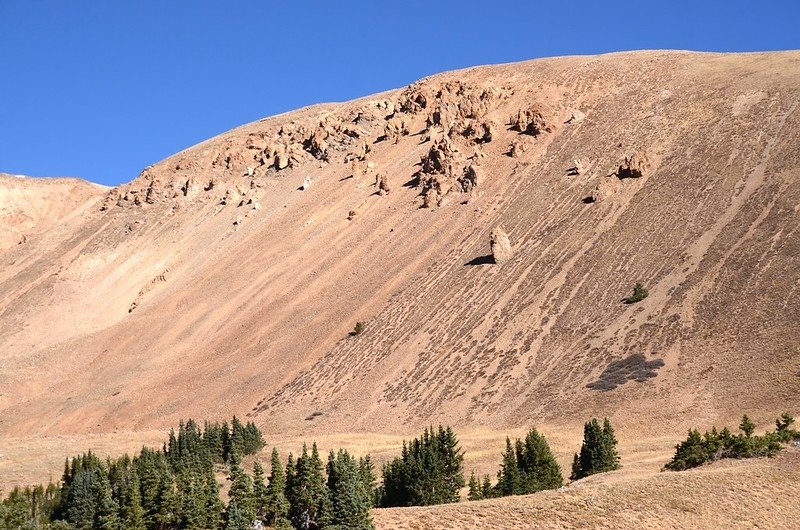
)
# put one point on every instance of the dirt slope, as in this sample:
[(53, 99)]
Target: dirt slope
[(29, 206), (215, 284)]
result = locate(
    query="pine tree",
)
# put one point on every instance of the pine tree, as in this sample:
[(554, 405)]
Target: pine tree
[(747, 426), (241, 490), (487, 490), (475, 492), (131, 511), (235, 519), (784, 423), (508, 478), (308, 495), (429, 471), (276, 509), (350, 499), (598, 452), (537, 466)]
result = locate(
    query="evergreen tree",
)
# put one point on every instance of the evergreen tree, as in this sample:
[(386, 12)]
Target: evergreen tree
[(308, 495), (429, 471), (366, 471), (598, 452), (241, 490), (475, 491), (487, 491), (747, 426), (508, 478), (276, 508), (350, 499), (235, 519), (784, 423)]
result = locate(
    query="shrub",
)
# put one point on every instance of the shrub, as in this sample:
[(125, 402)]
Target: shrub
[(358, 329), (639, 293), (699, 450)]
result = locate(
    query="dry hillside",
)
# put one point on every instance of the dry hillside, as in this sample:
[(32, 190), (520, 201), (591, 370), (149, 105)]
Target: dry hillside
[(226, 278)]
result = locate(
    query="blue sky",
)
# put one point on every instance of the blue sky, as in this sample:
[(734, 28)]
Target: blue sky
[(101, 89)]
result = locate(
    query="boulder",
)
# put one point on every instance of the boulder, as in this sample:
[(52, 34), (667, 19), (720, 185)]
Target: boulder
[(634, 166), (576, 116), (607, 187), (531, 121), (382, 183), (502, 250)]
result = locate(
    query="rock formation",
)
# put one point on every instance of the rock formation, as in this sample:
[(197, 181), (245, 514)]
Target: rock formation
[(634, 166), (531, 121), (502, 250)]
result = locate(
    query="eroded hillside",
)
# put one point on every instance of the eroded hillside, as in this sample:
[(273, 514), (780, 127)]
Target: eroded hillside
[(226, 278)]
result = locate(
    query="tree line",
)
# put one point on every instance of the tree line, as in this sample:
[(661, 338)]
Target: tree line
[(177, 486)]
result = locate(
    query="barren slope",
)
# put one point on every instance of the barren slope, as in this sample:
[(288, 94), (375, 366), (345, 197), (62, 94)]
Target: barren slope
[(212, 285), (32, 205)]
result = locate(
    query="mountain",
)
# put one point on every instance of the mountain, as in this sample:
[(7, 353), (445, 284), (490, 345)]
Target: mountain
[(228, 277)]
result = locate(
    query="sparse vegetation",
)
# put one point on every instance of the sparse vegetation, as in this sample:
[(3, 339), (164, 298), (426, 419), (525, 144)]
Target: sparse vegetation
[(599, 450), (698, 449), (639, 293), (358, 329)]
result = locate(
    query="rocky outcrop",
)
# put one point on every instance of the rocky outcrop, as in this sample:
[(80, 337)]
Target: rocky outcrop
[(608, 186), (382, 183), (634, 166), (471, 178), (500, 244), (531, 121)]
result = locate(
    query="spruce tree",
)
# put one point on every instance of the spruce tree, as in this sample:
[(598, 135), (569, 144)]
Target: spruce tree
[(598, 453), (235, 519), (350, 498), (747, 426), (241, 490), (508, 478), (475, 492), (276, 509), (308, 495)]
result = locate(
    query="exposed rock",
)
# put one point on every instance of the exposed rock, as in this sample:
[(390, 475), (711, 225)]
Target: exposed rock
[(500, 245), (382, 183), (396, 126), (576, 116), (471, 178), (306, 183), (316, 144), (517, 147), (607, 187), (531, 121), (577, 168), (634, 166)]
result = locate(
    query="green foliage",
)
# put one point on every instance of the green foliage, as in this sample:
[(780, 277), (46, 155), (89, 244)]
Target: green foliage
[(698, 450), (308, 492), (639, 293), (276, 505), (528, 466), (351, 496), (429, 471), (747, 426), (358, 329), (174, 487), (599, 450)]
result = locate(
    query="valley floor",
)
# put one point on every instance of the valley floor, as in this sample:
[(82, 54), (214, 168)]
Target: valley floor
[(758, 493)]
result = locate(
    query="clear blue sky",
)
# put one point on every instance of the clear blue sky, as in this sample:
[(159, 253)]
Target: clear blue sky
[(100, 89)]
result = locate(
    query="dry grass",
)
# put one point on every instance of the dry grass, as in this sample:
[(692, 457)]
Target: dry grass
[(758, 493)]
